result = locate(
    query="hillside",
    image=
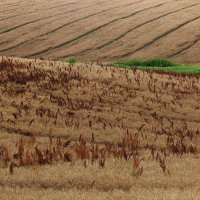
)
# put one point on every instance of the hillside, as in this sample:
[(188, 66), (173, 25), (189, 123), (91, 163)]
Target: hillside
[(88, 131), (101, 30)]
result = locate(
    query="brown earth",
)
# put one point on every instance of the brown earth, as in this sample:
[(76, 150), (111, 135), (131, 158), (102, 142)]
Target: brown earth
[(52, 100), (101, 30)]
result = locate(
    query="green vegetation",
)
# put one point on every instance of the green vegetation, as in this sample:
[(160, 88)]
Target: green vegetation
[(185, 69), (151, 62), (70, 59), (159, 64)]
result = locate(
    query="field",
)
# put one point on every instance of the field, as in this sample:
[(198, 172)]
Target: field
[(101, 30), (89, 131), (94, 103)]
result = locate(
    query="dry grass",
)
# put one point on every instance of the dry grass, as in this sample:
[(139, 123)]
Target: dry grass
[(77, 130)]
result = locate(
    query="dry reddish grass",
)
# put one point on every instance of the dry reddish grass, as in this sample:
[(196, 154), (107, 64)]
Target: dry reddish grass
[(101, 30), (89, 129)]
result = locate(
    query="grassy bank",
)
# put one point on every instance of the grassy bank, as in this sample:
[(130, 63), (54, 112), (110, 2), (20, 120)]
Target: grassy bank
[(159, 64)]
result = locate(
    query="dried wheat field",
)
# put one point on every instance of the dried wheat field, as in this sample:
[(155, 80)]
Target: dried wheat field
[(88, 131), (91, 129), (101, 30)]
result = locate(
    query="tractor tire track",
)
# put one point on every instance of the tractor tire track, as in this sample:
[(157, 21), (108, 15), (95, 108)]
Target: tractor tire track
[(11, 4), (5, 42), (31, 22), (93, 30), (27, 5), (159, 37), (52, 31), (43, 18), (130, 30), (57, 186), (3, 11), (71, 3), (185, 49)]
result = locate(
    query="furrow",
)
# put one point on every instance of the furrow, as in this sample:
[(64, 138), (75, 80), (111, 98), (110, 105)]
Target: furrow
[(91, 31), (31, 22), (68, 184), (159, 37), (27, 6), (130, 30), (11, 4), (46, 9), (185, 48)]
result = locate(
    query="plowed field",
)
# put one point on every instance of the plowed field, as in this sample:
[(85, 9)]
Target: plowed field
[(101, 30)]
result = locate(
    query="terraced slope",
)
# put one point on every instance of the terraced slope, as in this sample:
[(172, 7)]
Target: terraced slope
[(101, 30)]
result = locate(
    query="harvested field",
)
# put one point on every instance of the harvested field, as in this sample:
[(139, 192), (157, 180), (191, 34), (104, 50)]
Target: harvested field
[(87, 131), (101, 30)]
